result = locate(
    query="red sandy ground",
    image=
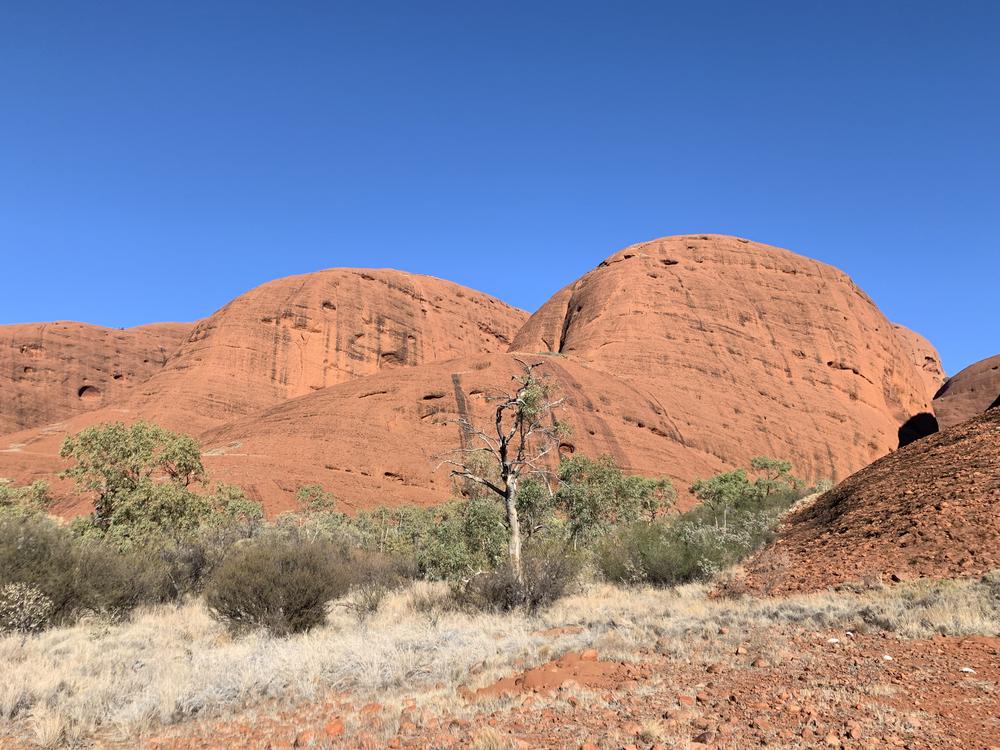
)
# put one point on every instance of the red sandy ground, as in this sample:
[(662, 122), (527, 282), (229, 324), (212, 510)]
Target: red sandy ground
[(789, 689)]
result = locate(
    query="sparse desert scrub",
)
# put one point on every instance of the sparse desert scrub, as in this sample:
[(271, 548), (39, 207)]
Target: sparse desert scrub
[(174, 662)]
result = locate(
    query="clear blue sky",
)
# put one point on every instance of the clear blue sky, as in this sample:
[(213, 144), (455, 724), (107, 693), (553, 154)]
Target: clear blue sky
[(158, 159)]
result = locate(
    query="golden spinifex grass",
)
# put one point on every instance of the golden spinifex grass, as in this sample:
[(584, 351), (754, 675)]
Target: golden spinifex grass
[(171, 663)]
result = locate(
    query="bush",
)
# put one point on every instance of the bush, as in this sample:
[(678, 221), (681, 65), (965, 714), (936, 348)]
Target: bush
[(691, 547), (77, 576), (24, 500), (549, 570), (598, 495), (24, 609), (374, 576), (282, 585)]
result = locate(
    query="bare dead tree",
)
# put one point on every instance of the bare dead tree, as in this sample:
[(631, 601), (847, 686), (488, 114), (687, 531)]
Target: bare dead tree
[(523, 433)]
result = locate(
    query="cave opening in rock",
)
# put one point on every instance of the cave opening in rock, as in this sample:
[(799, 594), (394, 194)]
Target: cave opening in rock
[(918, 426), (88, 393)]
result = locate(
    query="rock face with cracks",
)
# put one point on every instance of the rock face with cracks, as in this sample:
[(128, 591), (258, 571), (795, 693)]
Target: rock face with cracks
[(924, 357), (52, 371), (748, 349), (679, 357), (380, 440), (297, 335)]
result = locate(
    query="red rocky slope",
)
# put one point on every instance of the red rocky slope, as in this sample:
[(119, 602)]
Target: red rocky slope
[(929, 509)]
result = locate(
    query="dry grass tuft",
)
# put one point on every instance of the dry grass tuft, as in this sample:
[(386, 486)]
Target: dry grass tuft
[(173, 663)]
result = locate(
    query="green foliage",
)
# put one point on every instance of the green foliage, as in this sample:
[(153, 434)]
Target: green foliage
[(230, 507), (688, 548), (774, 476), (142, 475), (281, 585), (154, 513), (735, 517), (312, 498), (536, 508), (24, 500), (77, 576), (597, 495), (24, 609), (118, 461)]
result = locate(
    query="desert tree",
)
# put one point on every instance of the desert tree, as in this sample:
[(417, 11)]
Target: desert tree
[(514, 448), (137, 471)]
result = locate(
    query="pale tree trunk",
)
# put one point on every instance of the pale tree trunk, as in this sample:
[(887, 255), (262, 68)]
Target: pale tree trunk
[(514, 546)]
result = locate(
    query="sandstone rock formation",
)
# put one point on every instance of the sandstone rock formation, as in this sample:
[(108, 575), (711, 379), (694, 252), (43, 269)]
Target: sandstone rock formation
[(296, 335), (924, 356), (748, 349), (679, 357), (930, 509), (51, 371), (968, 393), (378, 440)]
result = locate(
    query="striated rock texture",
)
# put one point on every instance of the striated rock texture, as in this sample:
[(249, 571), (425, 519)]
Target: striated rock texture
[(51, 371), (679, 357), (299, 334), (924, 356), (379, 440), (968, 393), (930, 509), (748, 349)]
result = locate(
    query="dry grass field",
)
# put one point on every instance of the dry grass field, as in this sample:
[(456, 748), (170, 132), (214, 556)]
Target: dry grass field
[(173, 669)]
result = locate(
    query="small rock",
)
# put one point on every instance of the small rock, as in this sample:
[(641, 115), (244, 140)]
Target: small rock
[(305, 739)]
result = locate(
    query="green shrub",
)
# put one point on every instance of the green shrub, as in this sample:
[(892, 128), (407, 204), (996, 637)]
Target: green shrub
[(548, 572), (24, 609), (280, 584), (597, 495), (688, 548), (24, 500), (77, 576)]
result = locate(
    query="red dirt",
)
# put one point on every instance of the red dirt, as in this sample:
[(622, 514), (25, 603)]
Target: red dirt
[(583, 669), (806, 693), (52, 371), (968, 393), (929, 509)]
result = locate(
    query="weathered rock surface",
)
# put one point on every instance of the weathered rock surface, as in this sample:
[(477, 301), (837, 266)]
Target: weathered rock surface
[(748, 349), (378, 440), (51, 371), (968, 393), (679, 357), (296, 335), (924, 357), (929, 509)]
